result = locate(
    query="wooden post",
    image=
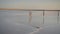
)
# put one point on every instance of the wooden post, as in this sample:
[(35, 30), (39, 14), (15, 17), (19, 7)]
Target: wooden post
[(30, 17), (58, 18), (43, 17)]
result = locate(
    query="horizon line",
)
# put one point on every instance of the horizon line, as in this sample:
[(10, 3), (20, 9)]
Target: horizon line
[(28, 9)]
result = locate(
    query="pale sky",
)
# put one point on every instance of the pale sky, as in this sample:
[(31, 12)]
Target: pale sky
[(30, 4)]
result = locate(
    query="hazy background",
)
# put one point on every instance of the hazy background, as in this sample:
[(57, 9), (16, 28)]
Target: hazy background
[(30, 4)]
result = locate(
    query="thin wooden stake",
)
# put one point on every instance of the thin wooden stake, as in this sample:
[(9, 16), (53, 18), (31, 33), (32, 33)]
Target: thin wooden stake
[(58, 18), (43, 17), (30, 17)]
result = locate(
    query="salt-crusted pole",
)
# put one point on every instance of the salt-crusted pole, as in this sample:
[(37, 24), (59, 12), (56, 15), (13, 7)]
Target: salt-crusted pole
[(43, 17), (30, 17), (58, 18)]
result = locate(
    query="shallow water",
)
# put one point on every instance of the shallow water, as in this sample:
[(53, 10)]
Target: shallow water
[(22, 17)]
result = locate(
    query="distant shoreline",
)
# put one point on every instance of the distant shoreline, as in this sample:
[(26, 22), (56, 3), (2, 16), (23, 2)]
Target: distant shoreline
[(27, 9)]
